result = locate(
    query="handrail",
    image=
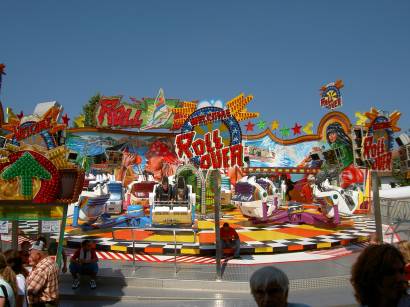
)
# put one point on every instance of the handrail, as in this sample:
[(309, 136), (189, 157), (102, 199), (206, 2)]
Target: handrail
[(174, 230)]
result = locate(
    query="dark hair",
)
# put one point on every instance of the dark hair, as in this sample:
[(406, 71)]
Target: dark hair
[(225, 225), (84, 243), (341, 134), (181, 183), (15, 261), (164, 180), (370, 268), (52, 248)]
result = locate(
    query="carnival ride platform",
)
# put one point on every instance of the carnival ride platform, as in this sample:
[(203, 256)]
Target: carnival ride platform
[(255, 239)]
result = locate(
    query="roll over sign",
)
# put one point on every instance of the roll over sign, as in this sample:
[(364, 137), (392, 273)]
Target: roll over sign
[(376, 154), (210, 150)]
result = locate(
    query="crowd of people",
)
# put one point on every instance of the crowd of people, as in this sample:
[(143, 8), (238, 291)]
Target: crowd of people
[(380, 278), (29, 277)]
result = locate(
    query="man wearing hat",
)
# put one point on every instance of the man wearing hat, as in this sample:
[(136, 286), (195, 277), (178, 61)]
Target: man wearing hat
[(42, 283)]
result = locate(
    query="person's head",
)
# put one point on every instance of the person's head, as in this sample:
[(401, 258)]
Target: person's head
[(335, 132), (52, 248), (270, 287), (404, 247), (37, 253), (225, 225), (42, 239), (378, 275), (25, 246), (6, 272), (15, 261), (165, 183), (86, 245)]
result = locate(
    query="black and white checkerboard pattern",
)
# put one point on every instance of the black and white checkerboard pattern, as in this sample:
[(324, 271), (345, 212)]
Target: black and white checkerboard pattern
[(363, 227)]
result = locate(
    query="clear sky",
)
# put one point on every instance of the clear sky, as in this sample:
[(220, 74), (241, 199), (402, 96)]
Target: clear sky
[(282, 52)]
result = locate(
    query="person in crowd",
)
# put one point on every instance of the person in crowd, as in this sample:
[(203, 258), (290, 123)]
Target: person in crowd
[(181, 190), (230, 239), (378, 277), (84, 262), (25, 251), (15, 261), (163, 192), (8, 283), (404, 247), (42, 282), (270, 287), (52, 251)]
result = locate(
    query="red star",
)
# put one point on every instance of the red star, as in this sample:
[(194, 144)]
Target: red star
[(296, 129), (65, 119), (249, 126), (20, 116)]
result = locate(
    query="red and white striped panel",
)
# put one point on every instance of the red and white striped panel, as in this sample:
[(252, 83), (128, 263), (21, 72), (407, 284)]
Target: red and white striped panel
[(127, 257), (193, 259)]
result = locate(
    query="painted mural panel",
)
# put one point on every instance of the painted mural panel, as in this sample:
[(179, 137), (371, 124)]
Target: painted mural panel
[(152, 154), (265, 152)]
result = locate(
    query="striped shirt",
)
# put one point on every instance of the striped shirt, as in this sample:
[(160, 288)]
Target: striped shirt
[(42, 283)]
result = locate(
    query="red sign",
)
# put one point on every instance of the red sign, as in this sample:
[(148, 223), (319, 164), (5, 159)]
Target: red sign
[(23, 132), (211, 150), (330, 103), (112, 113), (376, 154)]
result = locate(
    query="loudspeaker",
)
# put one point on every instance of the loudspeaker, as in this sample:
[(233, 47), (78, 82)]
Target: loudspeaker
[(403, 140)]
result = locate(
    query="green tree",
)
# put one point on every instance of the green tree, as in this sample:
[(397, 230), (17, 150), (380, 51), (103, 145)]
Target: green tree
[(89, 110), (398, 174)]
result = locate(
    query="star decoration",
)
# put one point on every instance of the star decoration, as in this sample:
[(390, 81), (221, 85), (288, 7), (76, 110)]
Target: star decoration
[(275, 125), (361, 118), (285, 131), (20, 115), (308, 128), (296, 129), (65, 119), (249, 126), (261, 124)]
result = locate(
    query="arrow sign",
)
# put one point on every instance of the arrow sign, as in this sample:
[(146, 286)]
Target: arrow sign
[(26, 167)]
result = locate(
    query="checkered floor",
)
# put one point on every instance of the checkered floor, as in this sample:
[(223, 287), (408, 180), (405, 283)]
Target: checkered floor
[(254, 240)]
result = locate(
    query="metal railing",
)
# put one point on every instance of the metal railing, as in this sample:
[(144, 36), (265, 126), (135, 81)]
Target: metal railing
[(173, 230), (395, 213)]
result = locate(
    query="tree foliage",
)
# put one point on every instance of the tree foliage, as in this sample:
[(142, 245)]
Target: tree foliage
[(89, 110)]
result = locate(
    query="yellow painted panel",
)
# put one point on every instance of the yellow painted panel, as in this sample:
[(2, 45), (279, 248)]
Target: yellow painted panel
[(188, 238), (324, 245), (265, 249), (190, 251), (118, 248)]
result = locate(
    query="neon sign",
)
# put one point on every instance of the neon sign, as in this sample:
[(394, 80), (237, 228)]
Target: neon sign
[(211, 136), (111, 112), (331, 97)]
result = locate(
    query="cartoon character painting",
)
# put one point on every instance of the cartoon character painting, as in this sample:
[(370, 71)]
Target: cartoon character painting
[(338, 139), (161, 160)]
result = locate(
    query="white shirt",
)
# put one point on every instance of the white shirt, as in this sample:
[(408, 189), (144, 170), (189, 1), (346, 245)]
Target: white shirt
[(10, 293), (21, 288)]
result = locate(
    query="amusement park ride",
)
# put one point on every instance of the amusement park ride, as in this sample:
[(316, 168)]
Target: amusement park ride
[(318, 179)]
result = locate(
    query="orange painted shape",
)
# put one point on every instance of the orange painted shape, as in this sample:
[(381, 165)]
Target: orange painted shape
[(153, 250), (207, 237), (295, 247), (127, 235)]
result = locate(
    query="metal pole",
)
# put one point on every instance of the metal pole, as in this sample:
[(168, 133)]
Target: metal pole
[(217, 192), (61, 236), (376, 207), (14, 235), (175, 252), (133, 249)]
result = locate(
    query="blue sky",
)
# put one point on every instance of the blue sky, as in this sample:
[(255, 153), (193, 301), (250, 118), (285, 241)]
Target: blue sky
[(282, 52)]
